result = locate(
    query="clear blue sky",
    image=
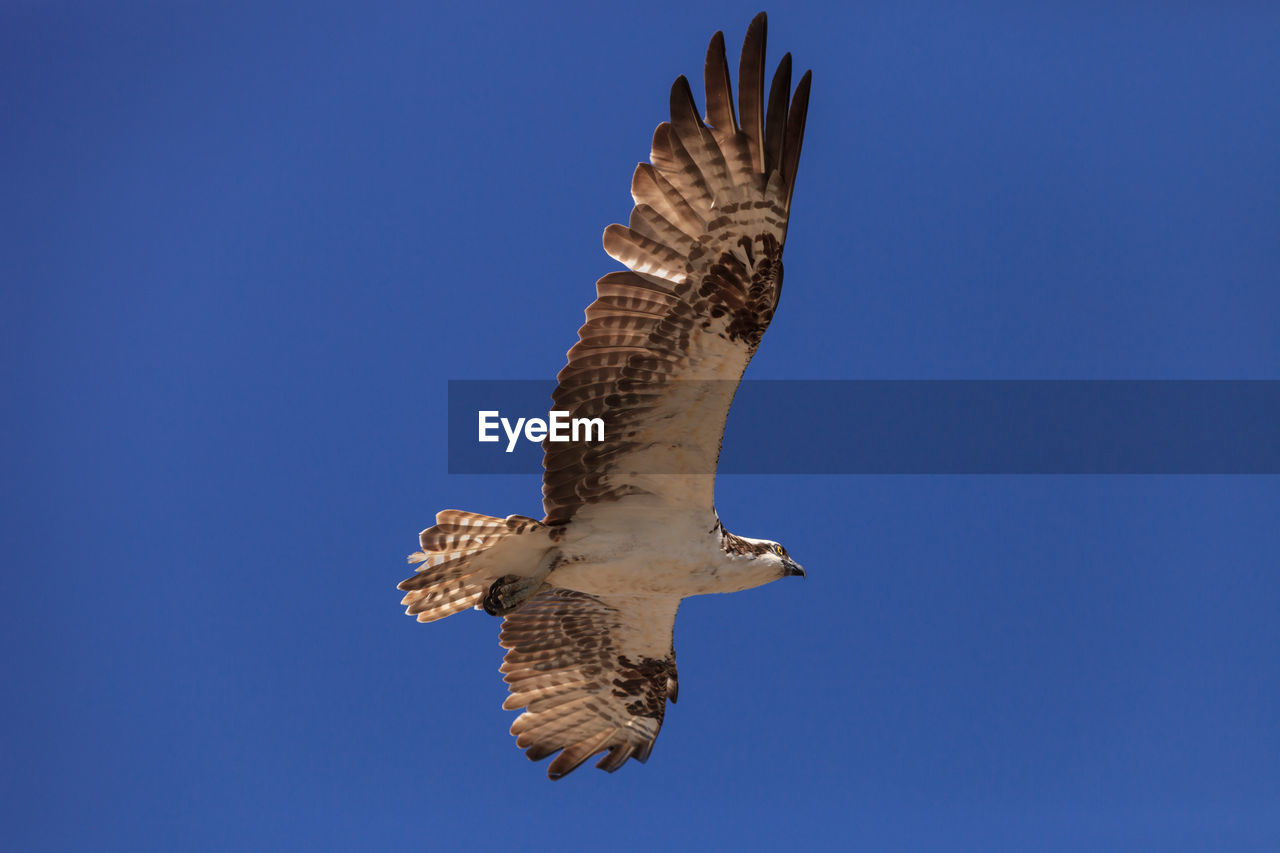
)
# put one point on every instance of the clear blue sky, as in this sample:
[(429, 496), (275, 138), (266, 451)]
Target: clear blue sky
[(246, 245)]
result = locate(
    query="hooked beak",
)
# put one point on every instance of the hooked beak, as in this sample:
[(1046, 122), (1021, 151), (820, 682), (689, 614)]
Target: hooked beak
[(792, 569)]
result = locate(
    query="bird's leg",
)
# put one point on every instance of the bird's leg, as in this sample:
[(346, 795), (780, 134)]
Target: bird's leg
[(509, 592)]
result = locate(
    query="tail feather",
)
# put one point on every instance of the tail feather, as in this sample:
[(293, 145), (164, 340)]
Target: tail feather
[(450, 578)]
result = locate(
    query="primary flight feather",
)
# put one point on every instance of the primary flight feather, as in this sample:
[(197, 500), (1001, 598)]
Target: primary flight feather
[(588, 595)]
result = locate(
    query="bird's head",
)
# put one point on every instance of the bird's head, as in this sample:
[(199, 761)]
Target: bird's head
[(755, 562), (762, 553), (787, 566)]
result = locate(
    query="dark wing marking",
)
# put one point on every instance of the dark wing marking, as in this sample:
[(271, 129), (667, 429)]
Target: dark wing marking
[(665, 343), (593, 675)]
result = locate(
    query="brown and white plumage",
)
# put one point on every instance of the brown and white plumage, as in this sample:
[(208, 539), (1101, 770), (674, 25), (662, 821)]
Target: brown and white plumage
[(592, 673), (449, 579), (589, 594), (666, 342)]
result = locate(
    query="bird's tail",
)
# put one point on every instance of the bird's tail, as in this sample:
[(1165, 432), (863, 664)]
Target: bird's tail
[(461, 557)]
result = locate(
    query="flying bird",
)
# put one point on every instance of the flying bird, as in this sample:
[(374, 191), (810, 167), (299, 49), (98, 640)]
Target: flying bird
[(588, 595)]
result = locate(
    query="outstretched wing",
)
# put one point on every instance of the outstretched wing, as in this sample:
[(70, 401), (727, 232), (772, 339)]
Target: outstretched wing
[(666, 342), (592, 674)]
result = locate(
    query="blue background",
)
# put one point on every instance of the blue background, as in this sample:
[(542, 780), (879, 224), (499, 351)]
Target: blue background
[(246, 245)]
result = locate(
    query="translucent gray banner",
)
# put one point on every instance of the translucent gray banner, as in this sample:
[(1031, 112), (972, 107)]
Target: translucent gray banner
[(898, 427)]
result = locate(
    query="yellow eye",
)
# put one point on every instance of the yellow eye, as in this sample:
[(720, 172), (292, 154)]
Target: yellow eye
[(780, 551)]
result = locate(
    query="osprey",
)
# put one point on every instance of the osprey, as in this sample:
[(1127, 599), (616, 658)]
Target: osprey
[(589, 594)]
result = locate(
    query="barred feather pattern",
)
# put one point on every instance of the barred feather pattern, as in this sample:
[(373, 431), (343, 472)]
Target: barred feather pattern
[(659, 358), (666, 342), (593, 675), (449, 578)]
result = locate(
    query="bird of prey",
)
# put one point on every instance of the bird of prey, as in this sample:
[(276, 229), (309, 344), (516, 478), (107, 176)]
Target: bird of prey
[(588, 595)]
